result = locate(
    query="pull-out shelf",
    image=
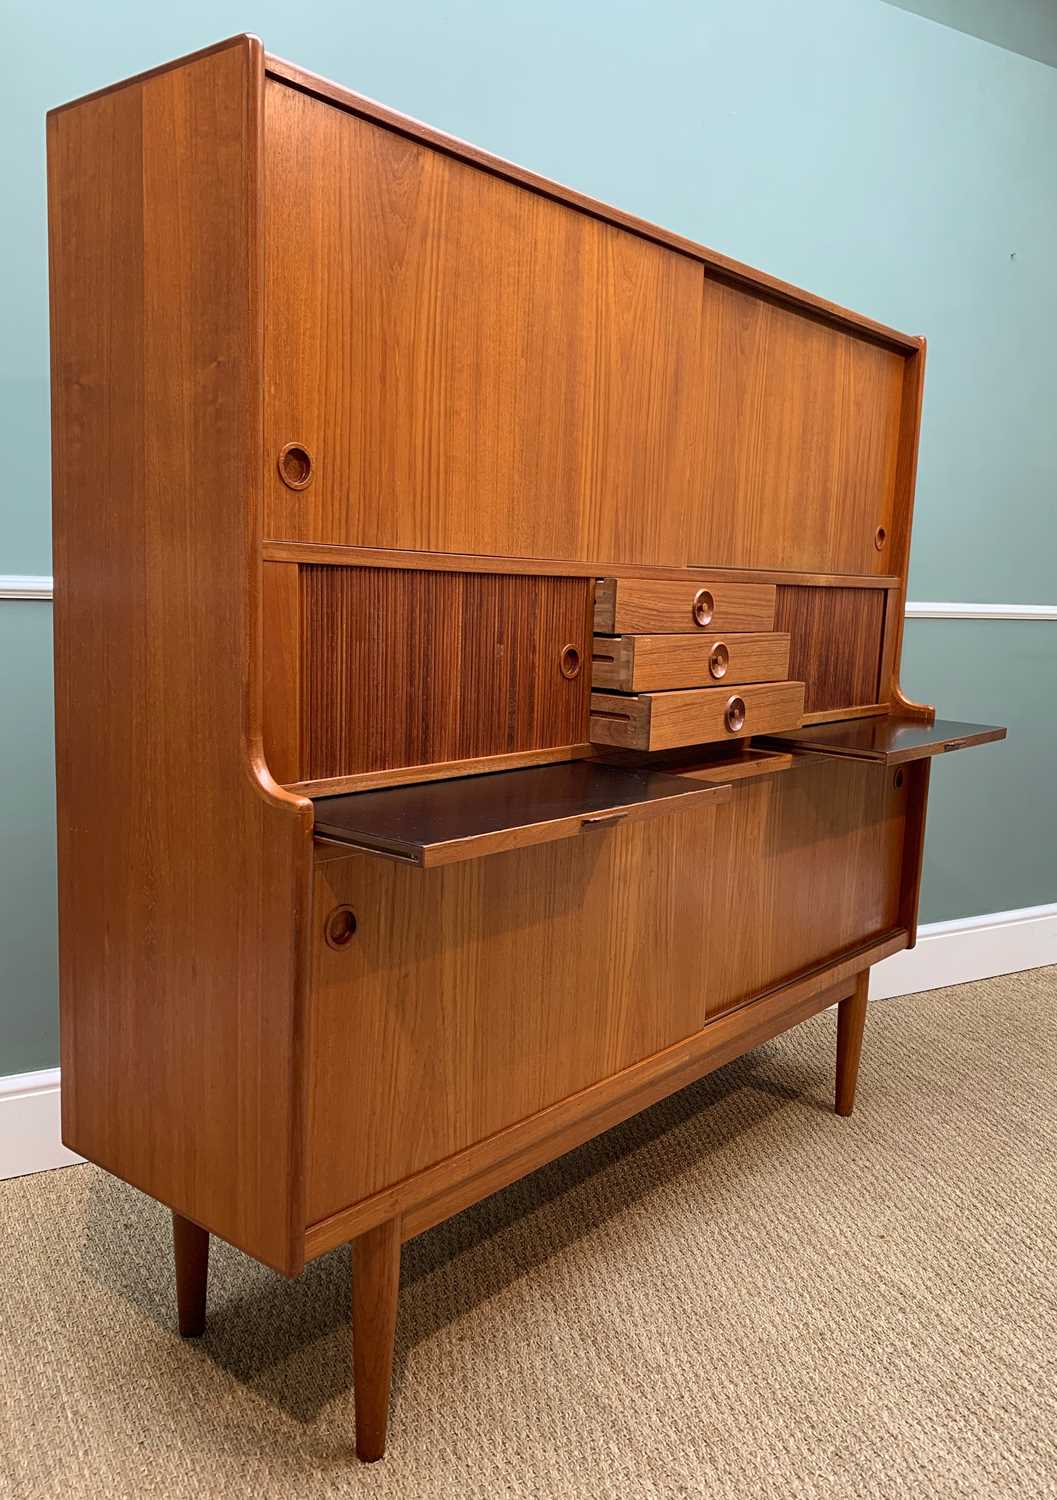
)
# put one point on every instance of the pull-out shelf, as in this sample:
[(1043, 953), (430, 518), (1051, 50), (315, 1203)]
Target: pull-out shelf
[(887, 740), (440, 822)]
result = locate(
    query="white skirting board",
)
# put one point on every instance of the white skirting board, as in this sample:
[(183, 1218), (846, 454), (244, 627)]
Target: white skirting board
[(1001, 942), (29, 1124), (946, 953)]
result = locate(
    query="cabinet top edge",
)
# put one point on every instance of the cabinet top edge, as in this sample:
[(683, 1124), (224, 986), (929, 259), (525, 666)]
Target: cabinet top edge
[(720, 267), (244, 39)]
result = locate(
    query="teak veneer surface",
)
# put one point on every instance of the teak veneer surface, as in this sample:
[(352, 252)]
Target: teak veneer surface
[(532, 974), (645, 663), (183, 870), (630, 604), (439, 318), (663, 721), (522, 415)]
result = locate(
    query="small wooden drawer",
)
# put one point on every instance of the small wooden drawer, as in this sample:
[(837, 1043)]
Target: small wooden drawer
[(682, 604), (660, 721), (644, 663)]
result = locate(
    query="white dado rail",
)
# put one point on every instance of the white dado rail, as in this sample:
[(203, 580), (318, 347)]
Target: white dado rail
[(25, 586), (39, 586), (917, 611)]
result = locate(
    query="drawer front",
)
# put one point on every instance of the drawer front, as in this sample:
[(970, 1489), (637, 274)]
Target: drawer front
[(682, 604), (662, 721), (645, 663)]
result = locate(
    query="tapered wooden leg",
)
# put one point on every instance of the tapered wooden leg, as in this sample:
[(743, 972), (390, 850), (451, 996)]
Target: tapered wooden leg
[(191, 1253), (375, 1285), (851, 1018)]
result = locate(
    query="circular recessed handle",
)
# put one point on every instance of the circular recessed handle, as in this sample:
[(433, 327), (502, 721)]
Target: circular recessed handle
[(340, 927), (704, 607), (295, 466), (735, 715), (569, 661), (880, 536), (719, 660)]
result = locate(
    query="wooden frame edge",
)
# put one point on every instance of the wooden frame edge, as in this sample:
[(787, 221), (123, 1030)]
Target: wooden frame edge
[(339, 554), (366, 781)]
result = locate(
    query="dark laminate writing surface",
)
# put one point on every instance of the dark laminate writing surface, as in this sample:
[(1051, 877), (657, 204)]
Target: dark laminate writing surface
[(440, 822), (889, 740)]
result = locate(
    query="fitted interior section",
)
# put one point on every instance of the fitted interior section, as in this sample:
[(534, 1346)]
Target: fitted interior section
[(477, 367), (586, 955)]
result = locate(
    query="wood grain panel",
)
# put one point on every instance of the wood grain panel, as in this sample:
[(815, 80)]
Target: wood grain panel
[(802, 429), (733, 271), (536, 973), (183, 870), (835, 638), (668, 604), (474, 367), (434, 1194), (662, 721), (404, 668), (644, 663)]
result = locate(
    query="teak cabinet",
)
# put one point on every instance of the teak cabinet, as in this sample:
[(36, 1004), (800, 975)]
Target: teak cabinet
[(477, 636)]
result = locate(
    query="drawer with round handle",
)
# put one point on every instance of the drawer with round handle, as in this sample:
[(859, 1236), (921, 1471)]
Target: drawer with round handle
[(625, 605), (661, 721), (656, 663)]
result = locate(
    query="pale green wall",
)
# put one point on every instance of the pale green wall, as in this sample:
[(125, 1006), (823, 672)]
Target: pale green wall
[(1027, 26), (884, 161)]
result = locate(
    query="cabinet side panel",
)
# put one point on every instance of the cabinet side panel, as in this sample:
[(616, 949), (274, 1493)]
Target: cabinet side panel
[(183, 871)]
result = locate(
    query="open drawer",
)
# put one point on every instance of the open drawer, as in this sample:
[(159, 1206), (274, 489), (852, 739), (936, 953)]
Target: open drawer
[(440, 822), (888, 740)]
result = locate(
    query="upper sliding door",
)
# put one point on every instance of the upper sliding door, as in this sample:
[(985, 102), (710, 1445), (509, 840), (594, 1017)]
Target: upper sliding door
[(475, 366)]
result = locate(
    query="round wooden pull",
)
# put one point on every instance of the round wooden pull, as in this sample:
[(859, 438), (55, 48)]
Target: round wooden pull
[(569, 661), (719, 660), (340, 927), (704, 605), (735, 715), (880, 537), (295, 466)]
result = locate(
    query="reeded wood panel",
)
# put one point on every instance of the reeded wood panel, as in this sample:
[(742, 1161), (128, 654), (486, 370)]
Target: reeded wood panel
[(474, 367), (405, 668), (835, 639), (532, 974), (799, 443)]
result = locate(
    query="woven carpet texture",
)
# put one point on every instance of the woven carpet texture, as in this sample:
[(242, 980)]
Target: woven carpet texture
[(735, 1294)]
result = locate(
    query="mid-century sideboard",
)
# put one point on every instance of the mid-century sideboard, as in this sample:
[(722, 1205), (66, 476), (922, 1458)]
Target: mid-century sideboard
[(477, 635)]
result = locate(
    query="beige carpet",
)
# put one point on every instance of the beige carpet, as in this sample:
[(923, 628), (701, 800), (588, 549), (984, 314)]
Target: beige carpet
[(735, 1295)]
